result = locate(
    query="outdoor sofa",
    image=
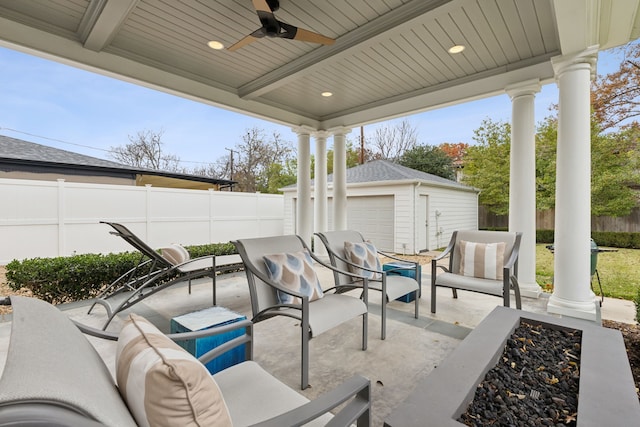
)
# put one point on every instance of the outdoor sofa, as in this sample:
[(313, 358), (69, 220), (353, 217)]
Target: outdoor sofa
[(53, 376)]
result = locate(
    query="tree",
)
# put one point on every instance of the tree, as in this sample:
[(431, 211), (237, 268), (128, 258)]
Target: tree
[(546, 144), (615, 97), (259, 164), (389, 142), (429, 159), (145, 151), (456, 151), (281, 175), (486, 165)]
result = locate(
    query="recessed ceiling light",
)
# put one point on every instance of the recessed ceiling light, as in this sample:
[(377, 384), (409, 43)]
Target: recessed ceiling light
[(327, 94), (215, 45), (456, 48)]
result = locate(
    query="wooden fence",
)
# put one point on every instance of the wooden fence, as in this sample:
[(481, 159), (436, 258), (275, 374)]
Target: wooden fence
[(545, 220)]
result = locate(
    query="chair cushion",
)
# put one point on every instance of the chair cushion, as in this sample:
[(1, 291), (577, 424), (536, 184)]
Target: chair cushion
[(294, 271), (482, 260), (175, 254), (162, 384), (365, 255)]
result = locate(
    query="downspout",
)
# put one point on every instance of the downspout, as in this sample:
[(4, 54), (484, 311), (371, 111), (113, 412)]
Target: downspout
[(415, 228)]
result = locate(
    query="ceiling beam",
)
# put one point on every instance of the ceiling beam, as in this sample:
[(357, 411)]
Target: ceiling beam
[(368, 34), (102, 21), (618, 20)]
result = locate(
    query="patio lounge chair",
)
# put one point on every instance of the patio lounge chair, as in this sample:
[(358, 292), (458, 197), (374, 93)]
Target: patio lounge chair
[(388, 283), (474, 266), (54, 377), (155, 272), (271, 297)]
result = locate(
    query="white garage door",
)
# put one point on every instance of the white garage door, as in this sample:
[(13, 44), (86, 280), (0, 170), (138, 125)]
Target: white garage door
[(373, 216)]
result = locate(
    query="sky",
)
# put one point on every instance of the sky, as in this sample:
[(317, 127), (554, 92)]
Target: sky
[(60, 106)]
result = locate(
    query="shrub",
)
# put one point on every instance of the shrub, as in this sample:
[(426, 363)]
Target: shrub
[(617, 239), (65, 279), (544, 236), (612, 239)]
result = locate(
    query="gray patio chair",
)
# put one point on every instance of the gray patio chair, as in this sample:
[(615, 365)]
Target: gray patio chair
[(316, 316), (498, 280), (389, 284)]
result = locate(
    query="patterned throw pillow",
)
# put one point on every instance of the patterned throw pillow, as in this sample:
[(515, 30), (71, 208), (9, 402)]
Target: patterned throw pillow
[(294, 271), (483, 260), (363, 254), (175, 254), (162, 384)]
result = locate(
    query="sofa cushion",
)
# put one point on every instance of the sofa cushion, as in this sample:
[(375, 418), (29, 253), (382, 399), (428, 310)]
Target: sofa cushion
[(363, 254), (162, 384), (175, 254), (294, 271), (482, 260)]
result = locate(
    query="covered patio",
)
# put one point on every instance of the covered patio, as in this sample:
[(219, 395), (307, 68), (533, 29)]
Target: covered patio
[(390, 58), (412, 350)]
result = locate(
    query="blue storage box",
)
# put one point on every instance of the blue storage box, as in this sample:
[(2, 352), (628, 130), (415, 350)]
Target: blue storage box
[(408, 273), (205, 319)]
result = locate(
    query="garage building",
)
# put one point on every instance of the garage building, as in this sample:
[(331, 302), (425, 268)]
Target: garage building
[(399, 209)]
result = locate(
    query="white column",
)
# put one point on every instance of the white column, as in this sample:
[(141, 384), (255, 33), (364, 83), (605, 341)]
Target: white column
[(339, 178), (320, 190), (522, 181), (572, 295), (304, 219)]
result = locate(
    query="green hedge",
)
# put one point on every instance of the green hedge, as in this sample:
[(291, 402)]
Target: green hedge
[(65, 279), (611, 239)]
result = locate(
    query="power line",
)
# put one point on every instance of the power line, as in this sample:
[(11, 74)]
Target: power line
[(56, 140), (85, 146)]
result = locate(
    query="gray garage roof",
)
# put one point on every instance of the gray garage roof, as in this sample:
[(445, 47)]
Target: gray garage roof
[(385, 171)]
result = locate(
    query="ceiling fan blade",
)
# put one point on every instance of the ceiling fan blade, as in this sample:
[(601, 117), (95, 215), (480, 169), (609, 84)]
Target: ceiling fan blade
[(242, 42), (310, 36), (288, 31), (261, 5)]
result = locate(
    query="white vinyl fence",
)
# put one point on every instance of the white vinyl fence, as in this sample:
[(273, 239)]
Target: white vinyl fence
[(50, 219)]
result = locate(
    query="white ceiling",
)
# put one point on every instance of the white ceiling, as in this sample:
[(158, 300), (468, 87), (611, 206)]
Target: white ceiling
[(390, 56)]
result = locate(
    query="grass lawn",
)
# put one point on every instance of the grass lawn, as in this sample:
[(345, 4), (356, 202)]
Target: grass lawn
[(619, 272)]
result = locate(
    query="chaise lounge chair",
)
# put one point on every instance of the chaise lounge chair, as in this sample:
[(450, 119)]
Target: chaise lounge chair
[(155, 272)]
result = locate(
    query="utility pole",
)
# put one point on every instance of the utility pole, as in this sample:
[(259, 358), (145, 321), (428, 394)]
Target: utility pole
[(361, 145), (231, 165)]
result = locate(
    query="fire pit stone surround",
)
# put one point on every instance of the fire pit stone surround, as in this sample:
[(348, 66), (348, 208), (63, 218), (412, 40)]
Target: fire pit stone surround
[(607, 391)]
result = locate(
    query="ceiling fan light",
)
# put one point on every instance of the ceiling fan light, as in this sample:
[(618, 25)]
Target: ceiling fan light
[(456, 48), (327, 94), (214, 44)]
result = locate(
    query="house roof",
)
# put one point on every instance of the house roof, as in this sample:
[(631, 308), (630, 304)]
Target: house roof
[(385, 171), (24, 154)]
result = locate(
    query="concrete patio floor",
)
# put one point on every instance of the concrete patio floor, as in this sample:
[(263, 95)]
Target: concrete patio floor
[(412, 349)]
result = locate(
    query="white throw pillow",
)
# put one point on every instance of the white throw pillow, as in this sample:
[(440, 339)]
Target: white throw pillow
[(483, 260), (162, 384), (175, 254)]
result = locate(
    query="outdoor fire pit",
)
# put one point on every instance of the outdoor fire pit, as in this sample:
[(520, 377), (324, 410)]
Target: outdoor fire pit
[(606, 394)]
